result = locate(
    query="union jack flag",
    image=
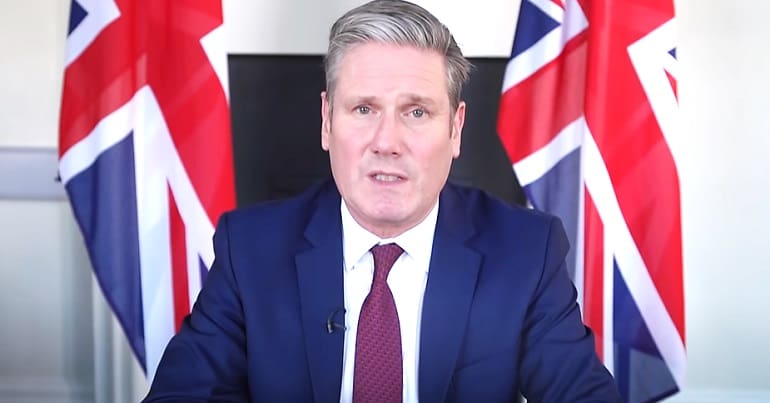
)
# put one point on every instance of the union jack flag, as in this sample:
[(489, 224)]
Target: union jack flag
[(145, 154), (588, 103)]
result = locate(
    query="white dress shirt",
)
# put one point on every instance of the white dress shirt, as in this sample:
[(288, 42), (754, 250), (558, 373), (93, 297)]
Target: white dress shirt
[(407, 280)]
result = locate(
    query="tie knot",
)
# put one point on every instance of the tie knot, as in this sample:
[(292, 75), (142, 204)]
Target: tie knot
[(384, 257)]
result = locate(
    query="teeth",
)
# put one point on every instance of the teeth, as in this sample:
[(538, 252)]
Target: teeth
[(386, 178)]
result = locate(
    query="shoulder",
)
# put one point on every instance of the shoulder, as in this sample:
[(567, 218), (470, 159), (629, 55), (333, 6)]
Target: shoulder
[(503, 229), (496, 214), (278, 216)]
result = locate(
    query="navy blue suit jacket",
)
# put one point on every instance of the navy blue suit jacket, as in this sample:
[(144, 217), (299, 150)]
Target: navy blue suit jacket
[(499, 314)]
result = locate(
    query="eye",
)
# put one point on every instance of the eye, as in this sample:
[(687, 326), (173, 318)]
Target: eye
[(363, 109), (417, 113)]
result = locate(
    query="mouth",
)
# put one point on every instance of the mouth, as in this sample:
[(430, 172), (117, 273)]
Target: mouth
[(386, 178)]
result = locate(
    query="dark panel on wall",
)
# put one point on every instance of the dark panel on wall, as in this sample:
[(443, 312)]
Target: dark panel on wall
[(275, 103), (483, 162)]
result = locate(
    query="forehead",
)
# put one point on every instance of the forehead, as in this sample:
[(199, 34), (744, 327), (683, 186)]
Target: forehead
[(372, 69)]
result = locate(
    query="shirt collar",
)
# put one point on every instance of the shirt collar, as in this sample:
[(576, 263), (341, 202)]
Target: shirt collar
[(416, 242)]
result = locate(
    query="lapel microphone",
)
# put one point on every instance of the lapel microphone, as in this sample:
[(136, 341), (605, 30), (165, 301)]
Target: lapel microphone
[(331, 325)]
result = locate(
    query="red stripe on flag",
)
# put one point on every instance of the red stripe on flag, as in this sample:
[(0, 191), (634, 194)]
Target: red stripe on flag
[(672, 81), (179, 281), (593, 273), (631, 143), (534, 111), (102, 79), (186, 85)]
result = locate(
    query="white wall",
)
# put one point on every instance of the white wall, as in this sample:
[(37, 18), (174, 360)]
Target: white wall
[(723, 159), (480, 27), (32, 35), (722, 154), (46, 337)]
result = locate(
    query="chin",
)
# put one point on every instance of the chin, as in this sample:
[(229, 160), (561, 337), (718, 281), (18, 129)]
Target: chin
[(387, 216)]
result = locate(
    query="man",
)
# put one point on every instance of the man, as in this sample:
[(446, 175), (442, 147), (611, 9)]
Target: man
[(387, 284)]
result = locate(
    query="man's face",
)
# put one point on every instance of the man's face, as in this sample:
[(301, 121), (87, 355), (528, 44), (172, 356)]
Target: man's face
[(391, 134)]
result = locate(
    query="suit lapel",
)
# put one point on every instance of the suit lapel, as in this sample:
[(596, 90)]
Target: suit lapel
[(319, 277), (448, 295)]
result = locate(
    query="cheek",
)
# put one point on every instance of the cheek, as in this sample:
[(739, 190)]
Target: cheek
[(437, 155), (344, 156), (352, 148)]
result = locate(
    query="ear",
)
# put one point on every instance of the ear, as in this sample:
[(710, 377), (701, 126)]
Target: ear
[(458, 121), (325, 121)]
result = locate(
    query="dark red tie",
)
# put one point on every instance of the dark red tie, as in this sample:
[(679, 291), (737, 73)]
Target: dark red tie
[(378, 375)]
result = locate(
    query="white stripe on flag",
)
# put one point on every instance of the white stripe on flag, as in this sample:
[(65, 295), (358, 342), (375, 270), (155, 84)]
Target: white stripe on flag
[(535, 165), (608, 305), (212, 45), (198, 226), (533, 59), (579, 279), (100, 13), (109, 131), (550, 45), (651, 60), (154, 227), (158, 169), (193, 269), (630, 263), (549, 8)]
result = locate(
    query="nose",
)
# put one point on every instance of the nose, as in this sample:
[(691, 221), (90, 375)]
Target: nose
[(387, 139)]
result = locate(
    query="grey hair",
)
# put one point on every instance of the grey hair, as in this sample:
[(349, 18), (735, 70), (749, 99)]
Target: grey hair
[(400, 23)]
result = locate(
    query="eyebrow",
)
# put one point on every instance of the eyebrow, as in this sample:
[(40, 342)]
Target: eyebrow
[(411, 98), (363, 99), (417, 99)]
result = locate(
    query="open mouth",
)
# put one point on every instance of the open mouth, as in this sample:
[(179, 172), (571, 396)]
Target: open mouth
[(387, 177)]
